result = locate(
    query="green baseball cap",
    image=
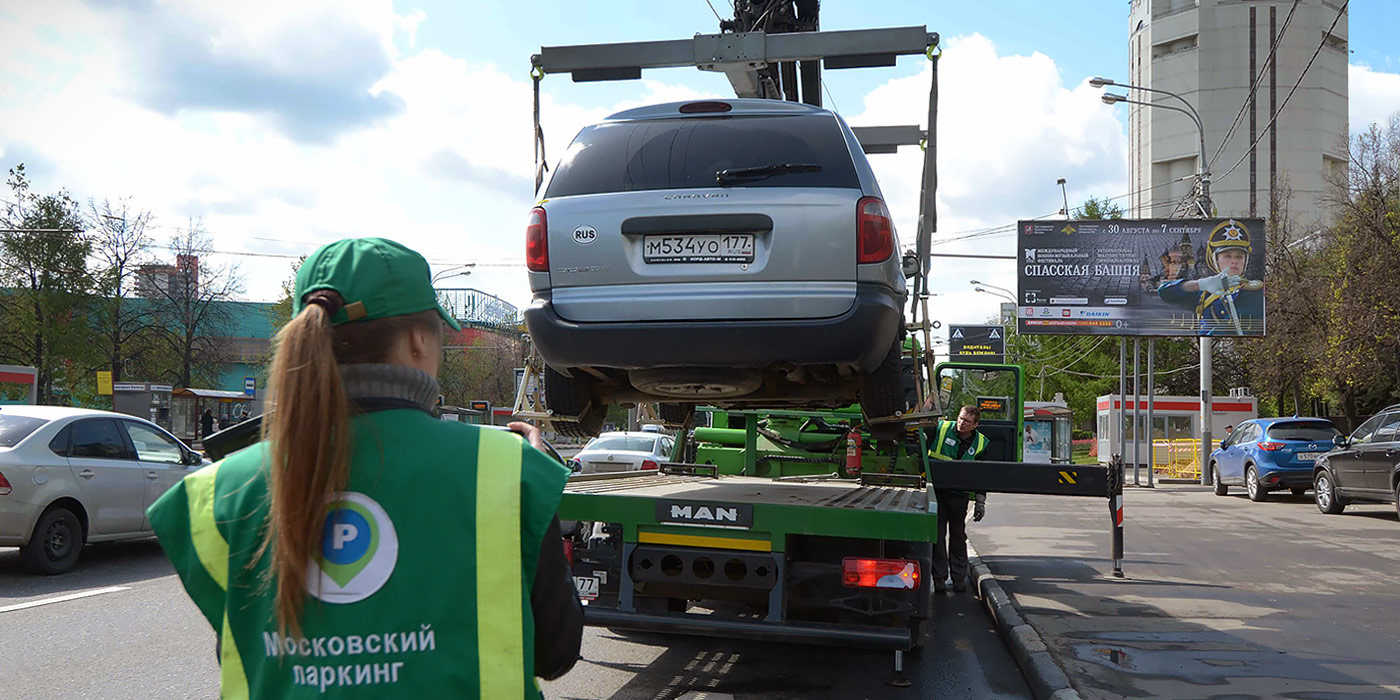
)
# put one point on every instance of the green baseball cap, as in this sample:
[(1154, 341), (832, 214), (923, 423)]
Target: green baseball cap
[(376, 277)]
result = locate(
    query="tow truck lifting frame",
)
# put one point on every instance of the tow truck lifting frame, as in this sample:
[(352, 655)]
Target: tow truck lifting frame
[(884, 510)]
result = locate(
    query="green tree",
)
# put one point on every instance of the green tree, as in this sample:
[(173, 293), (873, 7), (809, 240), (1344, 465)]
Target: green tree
[(124, 324), (43, 266), (1095, 208), (189, 302), (1361, 301)]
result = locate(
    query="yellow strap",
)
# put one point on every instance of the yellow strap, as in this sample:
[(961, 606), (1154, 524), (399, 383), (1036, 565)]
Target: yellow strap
[(209, 545), (233, 682), (499, 630)]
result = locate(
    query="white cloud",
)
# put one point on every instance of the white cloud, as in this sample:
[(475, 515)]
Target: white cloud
[(1373, 96), (1007, 128), (451, 172)]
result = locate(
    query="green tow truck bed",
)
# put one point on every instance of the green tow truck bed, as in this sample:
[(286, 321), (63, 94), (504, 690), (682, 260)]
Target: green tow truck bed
[(803, 560)]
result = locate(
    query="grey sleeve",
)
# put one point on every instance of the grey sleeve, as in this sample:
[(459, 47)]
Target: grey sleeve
[(558, 612)]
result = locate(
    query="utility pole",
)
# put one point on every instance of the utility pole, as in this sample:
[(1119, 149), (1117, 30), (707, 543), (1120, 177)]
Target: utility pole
[(1204, 208)]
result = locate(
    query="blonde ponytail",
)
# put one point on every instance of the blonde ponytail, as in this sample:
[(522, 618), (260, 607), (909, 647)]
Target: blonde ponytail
[(307, 430)]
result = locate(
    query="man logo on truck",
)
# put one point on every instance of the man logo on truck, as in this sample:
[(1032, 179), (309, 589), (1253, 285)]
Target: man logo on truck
[(713, 514), (717, 514)]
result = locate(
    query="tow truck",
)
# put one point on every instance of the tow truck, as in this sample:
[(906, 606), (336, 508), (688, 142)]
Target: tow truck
[(792, 526)]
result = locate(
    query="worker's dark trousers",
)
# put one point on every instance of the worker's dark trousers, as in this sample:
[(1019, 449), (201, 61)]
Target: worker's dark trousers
[(950, 551)]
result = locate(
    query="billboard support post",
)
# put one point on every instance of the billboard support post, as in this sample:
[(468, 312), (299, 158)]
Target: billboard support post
[(1151, 398), (1122, 396), (1206, 380), (1137, 416)]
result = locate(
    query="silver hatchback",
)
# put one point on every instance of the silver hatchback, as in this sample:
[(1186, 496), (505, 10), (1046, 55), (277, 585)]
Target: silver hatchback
[(69, 476), (730, 252)]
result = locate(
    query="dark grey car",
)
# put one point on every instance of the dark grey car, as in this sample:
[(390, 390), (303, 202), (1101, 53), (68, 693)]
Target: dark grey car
[(1365, 467), (729, 252)]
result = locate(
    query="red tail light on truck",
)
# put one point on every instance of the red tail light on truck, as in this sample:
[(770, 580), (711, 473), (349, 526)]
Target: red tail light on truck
[(880, 573)]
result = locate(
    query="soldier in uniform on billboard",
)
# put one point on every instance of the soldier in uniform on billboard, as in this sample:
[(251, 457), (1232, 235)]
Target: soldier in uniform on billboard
[(1226, 303)]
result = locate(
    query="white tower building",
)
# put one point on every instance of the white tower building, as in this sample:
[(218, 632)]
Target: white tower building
[(1236, 62)]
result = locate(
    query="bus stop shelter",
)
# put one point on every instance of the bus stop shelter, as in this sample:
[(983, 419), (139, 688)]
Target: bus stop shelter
[(187, 405)]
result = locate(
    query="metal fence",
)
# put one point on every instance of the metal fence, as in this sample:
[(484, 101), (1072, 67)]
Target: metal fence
[(1177, 459)]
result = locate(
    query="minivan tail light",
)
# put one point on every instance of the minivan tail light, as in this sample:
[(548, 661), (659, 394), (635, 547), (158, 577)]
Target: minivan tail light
[(537, 241), (1270, 446), (880, 573), (874, 231), (4, 485)]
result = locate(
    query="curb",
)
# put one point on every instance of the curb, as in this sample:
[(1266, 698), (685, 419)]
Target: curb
[(1047, 680)]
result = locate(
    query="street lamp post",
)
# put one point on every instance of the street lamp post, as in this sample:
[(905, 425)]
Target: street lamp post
[(454, 271), (1003, 290), (1204, 207)]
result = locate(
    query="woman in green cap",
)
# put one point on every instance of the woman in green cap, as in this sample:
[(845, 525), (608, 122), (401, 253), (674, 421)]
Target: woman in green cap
[(364, 548)]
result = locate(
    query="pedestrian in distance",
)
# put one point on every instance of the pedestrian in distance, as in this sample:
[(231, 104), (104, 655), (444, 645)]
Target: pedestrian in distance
[(364, 548), (955, 440), (206, 423), (1226, 303)]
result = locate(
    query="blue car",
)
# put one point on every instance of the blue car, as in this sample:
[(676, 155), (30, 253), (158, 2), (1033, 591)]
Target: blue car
[(1267, 454)]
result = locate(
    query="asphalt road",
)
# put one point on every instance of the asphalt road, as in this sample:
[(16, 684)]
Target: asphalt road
[(134, 634), (1223, 598)]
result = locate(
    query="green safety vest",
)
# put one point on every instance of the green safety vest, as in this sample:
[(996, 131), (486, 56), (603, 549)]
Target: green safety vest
[(420, 587), (946, 446)]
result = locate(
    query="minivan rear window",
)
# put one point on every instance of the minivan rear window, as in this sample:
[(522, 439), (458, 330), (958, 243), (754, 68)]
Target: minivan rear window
[(1313, 431), (663, 154), (15, 428)]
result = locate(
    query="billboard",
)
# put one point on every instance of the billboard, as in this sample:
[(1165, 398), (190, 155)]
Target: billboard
[(1165, 277), (977, 343)]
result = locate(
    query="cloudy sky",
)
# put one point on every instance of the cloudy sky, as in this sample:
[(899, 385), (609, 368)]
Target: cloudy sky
[(284, 125)]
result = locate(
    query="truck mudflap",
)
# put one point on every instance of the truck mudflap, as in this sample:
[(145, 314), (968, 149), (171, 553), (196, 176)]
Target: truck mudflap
[(844, 635)]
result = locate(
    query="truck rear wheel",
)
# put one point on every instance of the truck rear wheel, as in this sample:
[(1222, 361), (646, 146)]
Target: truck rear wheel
[(567, 396)]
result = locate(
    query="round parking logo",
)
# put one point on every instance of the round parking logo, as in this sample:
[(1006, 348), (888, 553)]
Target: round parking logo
[(359, 549)]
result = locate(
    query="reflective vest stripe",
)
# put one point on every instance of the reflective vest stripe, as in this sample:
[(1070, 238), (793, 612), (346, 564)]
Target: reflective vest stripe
[(500, 624), (936, 451), (209, 545), (212, 550), (233, 682)]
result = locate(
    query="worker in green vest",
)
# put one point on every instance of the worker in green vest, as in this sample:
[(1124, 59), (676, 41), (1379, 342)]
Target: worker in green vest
[(955, 440), (365, 548)]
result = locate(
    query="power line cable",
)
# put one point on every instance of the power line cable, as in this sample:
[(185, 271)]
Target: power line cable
[(713, 10), (1264, 131)]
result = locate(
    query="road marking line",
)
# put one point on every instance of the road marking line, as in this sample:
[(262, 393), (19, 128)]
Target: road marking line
[(63, 598)]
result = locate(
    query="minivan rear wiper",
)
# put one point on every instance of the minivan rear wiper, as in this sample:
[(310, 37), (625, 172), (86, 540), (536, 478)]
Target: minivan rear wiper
[(759, 172)]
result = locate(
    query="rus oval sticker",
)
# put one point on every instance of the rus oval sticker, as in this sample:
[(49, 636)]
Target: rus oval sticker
[(585, 235)]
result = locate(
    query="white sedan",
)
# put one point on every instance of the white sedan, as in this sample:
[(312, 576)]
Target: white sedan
[(69, 476), (623, 452)]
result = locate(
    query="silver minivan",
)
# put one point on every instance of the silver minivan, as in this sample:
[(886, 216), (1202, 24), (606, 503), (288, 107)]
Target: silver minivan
[(69, 476), (735, 252)]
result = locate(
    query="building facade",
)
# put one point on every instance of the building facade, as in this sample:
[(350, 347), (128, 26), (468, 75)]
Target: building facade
[(1236, 61)]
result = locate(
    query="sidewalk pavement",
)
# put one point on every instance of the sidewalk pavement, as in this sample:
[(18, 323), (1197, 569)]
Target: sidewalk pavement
[(1222, 597)]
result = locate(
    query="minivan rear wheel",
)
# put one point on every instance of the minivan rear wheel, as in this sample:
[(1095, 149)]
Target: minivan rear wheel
[(566, 396), (882, 392), (55, 545)]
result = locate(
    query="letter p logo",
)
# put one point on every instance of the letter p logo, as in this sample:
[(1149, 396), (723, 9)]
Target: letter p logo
[(343, 532)]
